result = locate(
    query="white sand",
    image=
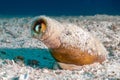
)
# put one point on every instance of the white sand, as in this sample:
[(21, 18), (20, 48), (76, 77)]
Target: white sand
[(17, 44)]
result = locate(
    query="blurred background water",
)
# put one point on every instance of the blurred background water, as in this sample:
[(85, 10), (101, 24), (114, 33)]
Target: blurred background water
[(58, 7)]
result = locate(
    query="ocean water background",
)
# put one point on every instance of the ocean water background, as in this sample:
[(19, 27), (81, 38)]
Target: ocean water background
[(58, 7)]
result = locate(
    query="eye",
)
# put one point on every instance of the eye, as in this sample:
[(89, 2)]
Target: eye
[(43, 27), (37, 28), (40, 28)]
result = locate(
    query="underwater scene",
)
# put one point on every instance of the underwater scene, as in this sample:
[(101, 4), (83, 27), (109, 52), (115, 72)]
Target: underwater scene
[(60, 40)]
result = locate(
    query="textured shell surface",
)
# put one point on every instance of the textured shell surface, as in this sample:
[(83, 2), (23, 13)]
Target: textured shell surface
[(71, 35), (70, 44)]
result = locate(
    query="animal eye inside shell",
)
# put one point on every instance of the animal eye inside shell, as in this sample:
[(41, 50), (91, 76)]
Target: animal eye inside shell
[(41, 27), (37, 28)]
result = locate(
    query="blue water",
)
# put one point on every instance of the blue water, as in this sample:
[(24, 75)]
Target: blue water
[(59, 7)]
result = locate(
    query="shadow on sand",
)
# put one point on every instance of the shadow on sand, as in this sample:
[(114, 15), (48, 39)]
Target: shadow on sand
[(30, 56)]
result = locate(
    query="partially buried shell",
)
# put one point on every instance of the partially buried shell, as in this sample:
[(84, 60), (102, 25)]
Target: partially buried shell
[(68, 43)]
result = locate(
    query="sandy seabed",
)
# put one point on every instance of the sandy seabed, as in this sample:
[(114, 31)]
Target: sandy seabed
[(25, 58)]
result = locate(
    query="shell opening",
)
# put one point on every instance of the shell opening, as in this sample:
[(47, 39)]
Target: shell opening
[(39, 26)]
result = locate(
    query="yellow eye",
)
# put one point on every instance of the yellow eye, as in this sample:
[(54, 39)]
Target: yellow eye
[(40, 28), (43, 27)]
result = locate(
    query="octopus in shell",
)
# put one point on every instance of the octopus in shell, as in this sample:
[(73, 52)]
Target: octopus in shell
[(69, 44)]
